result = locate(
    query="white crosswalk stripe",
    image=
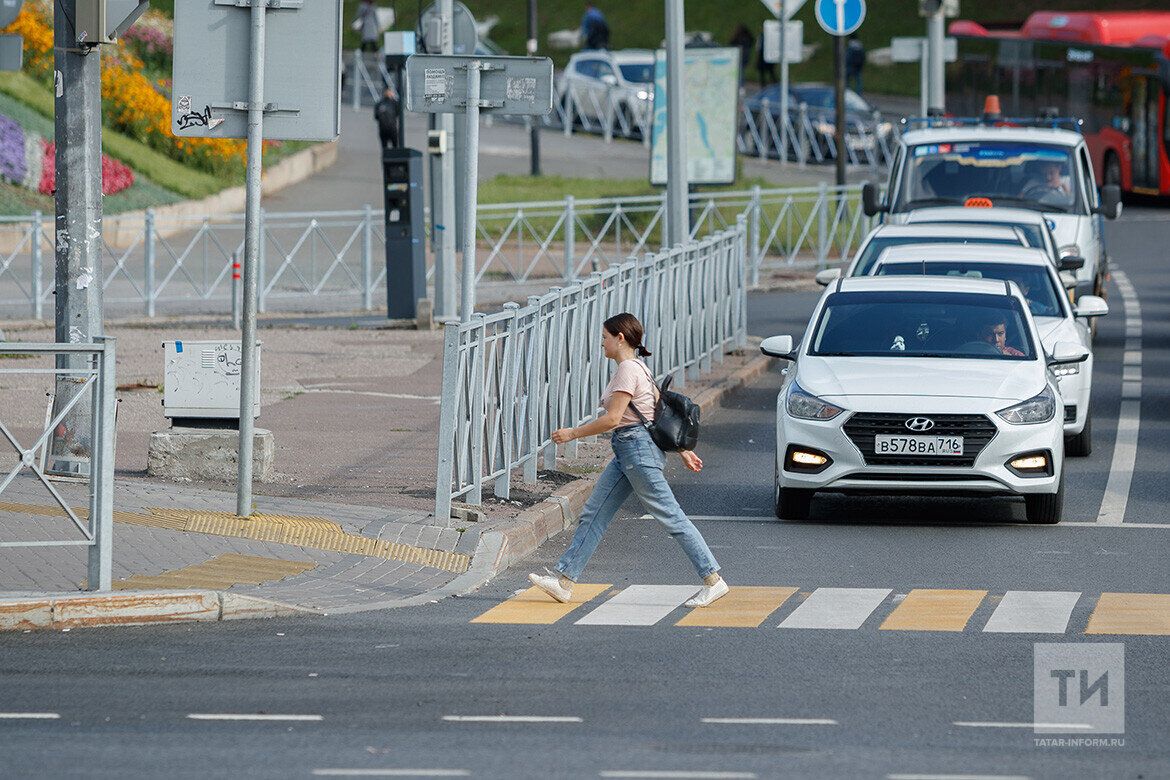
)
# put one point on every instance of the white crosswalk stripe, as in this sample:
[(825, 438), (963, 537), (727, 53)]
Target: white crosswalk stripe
[(639, 605), (839, 608), (1033, 612)]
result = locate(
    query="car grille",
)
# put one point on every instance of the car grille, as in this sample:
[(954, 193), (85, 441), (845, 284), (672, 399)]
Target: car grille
[(976, 429)]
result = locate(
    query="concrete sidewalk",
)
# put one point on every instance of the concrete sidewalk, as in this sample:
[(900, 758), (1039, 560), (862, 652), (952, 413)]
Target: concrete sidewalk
[(347, 524)]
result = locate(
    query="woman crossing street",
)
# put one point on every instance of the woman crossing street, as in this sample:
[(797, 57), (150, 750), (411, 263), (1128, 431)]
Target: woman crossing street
[(637, 467)]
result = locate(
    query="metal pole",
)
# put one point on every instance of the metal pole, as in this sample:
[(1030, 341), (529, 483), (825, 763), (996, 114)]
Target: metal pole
[(78, 230), (235, 291), (444, 221), (37, 266), (783, 85), (936, 32), (470, 191), (923, 77), (839, 81), (534, 124), (252, 240), (367, 257), (149, 240), (677, 218), (101, 552)]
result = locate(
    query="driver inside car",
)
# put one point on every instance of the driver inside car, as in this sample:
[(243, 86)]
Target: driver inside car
[(1051, 187), (994, 332)]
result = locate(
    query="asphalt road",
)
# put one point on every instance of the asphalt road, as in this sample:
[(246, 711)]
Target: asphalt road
[(403, 693)]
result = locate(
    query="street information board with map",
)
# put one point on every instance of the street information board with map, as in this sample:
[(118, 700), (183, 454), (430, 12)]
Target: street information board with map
[(711, 110)]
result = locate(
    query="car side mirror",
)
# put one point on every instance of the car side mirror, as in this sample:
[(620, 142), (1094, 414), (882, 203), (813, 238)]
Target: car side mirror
[(827, 276), (870, 202), (1072, 263), (778, 347), (1091, 306), (1064, 352), (1110, 207)]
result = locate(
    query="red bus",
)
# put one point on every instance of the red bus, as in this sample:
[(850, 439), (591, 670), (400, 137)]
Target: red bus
[(1110, 69)]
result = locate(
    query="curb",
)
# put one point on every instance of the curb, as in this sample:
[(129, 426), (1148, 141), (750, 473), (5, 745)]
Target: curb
[(503, 547), (125, 608)]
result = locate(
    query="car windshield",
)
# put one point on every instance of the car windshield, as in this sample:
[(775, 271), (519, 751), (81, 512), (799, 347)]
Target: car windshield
[(1034, 281), (990, 173), (873, 250), (638, 73), (823, 97), (1034, 238), (969, 326)]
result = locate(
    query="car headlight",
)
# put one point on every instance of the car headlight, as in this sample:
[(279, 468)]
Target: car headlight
[(1068, 369), (825, 128), (1037, 409), (644, 95), (1070, 250), (806, 406)]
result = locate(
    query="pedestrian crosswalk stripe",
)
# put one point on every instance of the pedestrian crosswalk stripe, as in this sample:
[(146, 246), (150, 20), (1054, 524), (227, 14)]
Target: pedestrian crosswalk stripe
[(926, 609), (1131, 613), (742, 607), (839, 608), (535, 607), (639, 605), (1032, 612)]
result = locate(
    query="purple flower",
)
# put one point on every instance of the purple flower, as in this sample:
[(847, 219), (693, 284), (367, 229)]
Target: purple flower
[(13, 166)]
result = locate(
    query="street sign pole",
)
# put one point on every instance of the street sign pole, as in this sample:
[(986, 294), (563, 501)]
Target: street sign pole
[(783, 17), (470, 191), (840, 18), (252, 239), (839, 84), (445, 224), (677, 216), (78, 230), (534, 130), (923, 77), (936, 30)]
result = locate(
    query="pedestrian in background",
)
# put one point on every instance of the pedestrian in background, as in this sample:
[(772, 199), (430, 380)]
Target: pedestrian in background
[(854, 63), (367, 24), (637, 467), (743, 40), (386, 115), (594, 28), (767, 70)]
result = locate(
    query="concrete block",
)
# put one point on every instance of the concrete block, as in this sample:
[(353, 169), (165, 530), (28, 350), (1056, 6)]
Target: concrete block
[(208, 454), (236, 606), (131, 609), (23, 615)]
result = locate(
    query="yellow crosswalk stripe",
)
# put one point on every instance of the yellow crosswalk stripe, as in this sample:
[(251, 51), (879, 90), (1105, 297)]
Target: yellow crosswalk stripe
[(1131, 613), (742, 607), (535, 607), (926, 609)]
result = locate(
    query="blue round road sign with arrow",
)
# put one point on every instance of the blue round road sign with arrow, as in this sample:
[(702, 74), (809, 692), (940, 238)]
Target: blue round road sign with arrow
[(840, 17)]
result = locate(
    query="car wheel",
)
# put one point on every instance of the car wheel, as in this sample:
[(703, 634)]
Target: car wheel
[(1045, 508), (1081, 445), (793, 503)]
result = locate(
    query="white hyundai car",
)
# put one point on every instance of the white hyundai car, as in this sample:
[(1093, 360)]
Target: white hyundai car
[(1056, 319), (921, 385)]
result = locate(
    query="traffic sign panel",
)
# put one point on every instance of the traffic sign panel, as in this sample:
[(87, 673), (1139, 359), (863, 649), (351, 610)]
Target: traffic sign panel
[(840, 17), (437, 84)]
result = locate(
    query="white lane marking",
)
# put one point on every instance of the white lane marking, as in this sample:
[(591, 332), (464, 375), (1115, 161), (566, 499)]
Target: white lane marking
[(1032, 612), (683, 775), (391, 773), (957, 777), (772, 721), (29, 716), (252, 716), (512, 719), (839, 608), (1163, 526), (1116, 498), (639, 605), (992, 724)]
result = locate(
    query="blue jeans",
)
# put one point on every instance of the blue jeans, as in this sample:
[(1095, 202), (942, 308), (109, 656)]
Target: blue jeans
[(636, 468)]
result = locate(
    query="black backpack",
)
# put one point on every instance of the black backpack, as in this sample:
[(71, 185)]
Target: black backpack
[(676, 420)]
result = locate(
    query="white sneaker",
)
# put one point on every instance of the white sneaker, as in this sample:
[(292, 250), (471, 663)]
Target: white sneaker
[(709, 594), (551, 584)]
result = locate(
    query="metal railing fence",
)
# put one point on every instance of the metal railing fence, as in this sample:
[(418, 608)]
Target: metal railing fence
[(513, 377), (96, 380)]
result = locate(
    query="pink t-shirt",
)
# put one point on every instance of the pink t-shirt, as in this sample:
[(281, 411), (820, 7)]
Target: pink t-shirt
[(633, 378)]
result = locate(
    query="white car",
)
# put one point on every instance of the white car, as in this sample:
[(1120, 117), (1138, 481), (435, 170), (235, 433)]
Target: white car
[(870, 406), (597, 84), (1056, 319), (985, 165), (883, 237)]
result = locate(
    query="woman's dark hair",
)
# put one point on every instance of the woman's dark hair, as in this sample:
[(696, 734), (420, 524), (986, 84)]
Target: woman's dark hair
[(627, 326)]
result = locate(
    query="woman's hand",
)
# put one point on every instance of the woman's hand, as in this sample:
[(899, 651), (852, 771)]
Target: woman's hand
[(563, 435), (691, 460)]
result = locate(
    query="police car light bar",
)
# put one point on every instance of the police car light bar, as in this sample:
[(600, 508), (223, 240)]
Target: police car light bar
[(1064, 122)]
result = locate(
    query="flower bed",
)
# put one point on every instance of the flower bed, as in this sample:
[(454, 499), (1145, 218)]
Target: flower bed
[(29, 161)]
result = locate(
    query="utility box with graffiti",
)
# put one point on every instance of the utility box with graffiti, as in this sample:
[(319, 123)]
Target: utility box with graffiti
[(201, 380)]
